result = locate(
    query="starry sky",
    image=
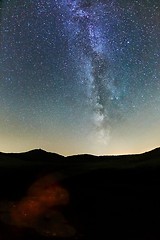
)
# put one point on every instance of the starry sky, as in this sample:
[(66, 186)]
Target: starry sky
[(80, 76)]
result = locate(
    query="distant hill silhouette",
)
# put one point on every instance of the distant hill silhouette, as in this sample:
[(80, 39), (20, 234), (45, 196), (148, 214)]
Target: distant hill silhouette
[(36, 155), (154, 152), (39, 156), (110, 197)]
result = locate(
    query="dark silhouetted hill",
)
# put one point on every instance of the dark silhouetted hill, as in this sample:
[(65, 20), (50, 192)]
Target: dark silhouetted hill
[(85, 161), (36, 155), (111, 197)]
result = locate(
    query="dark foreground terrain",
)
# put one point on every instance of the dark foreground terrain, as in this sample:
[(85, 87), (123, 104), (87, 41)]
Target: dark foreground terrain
[(47, 196)]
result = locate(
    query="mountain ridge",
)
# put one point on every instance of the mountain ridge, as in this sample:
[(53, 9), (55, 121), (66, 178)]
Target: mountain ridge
[(39, 151), (39, 157)]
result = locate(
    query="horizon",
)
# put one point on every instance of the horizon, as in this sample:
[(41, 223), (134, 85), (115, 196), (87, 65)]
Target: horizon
[(81, 154)]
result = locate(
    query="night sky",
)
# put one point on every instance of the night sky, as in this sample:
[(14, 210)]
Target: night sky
[(80, 76)]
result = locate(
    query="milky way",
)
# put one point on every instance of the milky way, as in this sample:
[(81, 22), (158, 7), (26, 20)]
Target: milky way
[(80, 76), (84, 21)]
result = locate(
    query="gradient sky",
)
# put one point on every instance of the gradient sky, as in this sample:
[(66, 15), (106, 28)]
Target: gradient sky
[(80, 76)]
